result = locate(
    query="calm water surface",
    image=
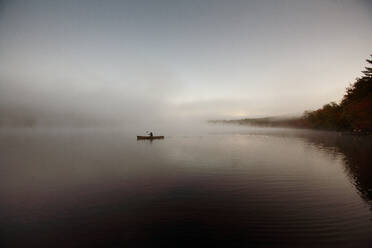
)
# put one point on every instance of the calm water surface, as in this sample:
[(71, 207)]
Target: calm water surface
[(223, 186)]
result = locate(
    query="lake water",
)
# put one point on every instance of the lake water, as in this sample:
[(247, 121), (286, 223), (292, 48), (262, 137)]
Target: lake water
[(218, 186)]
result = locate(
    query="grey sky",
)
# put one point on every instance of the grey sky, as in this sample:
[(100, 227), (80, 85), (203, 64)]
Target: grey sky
[(181, 59)]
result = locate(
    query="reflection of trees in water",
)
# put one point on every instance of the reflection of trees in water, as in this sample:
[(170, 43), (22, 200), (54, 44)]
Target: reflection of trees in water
[(357, 151)]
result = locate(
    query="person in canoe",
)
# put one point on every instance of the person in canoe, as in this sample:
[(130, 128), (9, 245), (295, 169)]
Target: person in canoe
[(150, 136)]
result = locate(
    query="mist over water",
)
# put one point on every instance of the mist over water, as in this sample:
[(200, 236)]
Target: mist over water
[(79, 80)]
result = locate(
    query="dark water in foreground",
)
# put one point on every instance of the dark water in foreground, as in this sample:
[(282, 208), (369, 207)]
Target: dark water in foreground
[(232, 188)]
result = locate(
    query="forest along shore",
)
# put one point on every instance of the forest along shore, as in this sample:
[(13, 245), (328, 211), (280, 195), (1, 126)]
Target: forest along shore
[(353, 114)]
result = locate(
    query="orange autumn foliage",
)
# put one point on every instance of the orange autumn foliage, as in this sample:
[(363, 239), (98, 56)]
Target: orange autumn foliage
[(353, 113)]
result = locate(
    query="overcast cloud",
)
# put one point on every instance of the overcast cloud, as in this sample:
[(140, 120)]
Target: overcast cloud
[(142, 60)]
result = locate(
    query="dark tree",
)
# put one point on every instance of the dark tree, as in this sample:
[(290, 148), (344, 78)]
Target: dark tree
[(368, 71), (353, 113)]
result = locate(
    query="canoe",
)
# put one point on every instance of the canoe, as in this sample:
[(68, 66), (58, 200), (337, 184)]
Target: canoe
[(149, 137)]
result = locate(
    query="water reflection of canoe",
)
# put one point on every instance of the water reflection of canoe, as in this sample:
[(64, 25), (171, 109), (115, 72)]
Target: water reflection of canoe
[(149, 137)]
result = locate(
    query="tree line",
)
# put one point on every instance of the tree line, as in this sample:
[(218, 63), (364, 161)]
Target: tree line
[(353, 113)]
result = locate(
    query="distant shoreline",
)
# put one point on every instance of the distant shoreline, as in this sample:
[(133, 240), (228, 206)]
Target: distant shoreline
[(286, 122), (353, 114)]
